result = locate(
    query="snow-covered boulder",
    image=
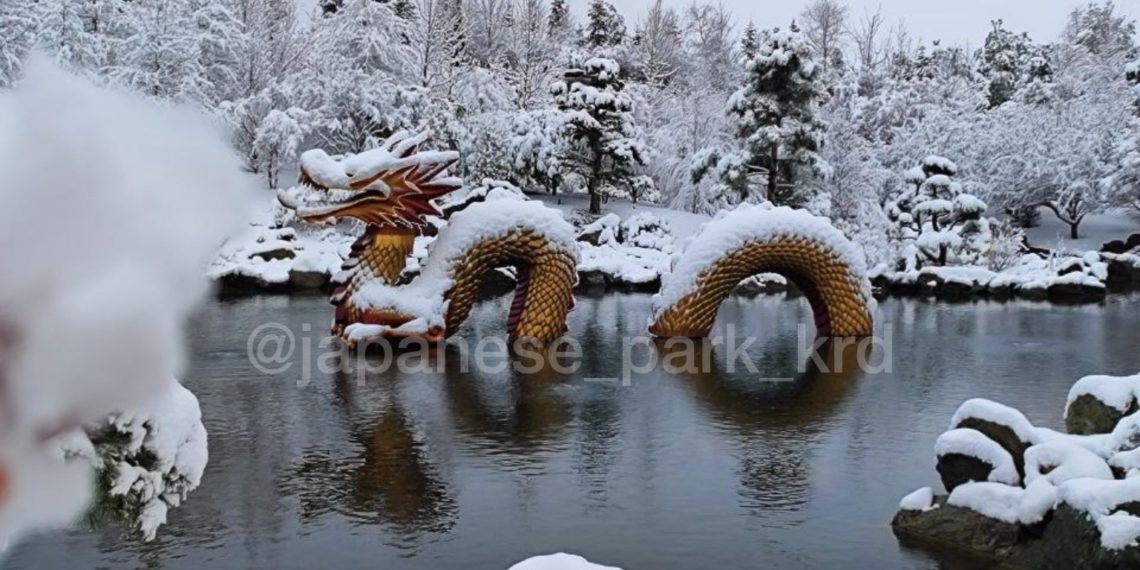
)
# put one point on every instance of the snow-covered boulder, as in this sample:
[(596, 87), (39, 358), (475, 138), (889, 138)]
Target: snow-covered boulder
[(1001, 424), (1076, 504), (965, 455), (1097, 403)]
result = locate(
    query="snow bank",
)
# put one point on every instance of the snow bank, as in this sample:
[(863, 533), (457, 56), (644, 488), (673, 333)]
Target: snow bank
[(973, 443), (127, 202), (1004, 502), (268, 252), (748, 223), (560, 561), (1059, 461)]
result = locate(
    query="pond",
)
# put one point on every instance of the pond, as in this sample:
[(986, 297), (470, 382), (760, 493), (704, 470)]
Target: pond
[(716, 469)]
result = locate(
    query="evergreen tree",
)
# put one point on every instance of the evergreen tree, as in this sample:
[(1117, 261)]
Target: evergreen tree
[(599, 135), (775, 112), (605, 27), (750, 41), (559, 22), (1004, 57)]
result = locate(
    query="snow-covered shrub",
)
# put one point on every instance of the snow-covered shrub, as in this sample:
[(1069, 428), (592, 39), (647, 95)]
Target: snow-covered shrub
[(647, 230), (937, 217)]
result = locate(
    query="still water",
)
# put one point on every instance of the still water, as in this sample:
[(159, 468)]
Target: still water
[(465, 470)]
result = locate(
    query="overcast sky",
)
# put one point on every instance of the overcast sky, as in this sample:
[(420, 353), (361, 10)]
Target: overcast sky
[(952, 21)]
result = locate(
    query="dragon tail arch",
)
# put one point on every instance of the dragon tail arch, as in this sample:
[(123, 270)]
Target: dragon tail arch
[(487, 235), (808, 250)]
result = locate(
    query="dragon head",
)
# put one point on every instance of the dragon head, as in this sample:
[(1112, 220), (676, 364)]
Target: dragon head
[(390, 186)]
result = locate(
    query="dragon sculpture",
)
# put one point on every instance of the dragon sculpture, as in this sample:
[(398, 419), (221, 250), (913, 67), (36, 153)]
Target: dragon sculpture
[(752, 239), (391, 189)]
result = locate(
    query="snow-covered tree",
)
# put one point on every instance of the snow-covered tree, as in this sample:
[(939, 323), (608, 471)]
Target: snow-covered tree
[(657, 50), (1101, 30), (160, 55), (18, 28), (490, 25), (749, 41), (934, 217), (278, 139), (1004, 57), (604, 26), (824, 22), (600, 140), (558, 24), (775, 113), (710, 39), (66, 30), (531, 53)]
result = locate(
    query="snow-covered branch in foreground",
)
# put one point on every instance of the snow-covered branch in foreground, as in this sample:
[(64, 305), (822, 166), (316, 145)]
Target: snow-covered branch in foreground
[(149, 459), (117, 206)]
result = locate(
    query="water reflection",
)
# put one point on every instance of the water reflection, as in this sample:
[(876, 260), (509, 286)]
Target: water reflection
[(773, 421), (390, 481), (519, 416)]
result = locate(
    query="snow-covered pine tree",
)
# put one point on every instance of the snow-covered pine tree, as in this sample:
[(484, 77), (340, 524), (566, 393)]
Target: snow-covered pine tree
[(749, 41), (934, 217), (604, 26), (600, 142), (775, 113), (1004, 57), (558, 22)]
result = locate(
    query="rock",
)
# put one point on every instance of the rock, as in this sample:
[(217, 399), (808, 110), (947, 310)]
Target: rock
[(1088, 415), (1122, 275), (1071, 541), (1003, 436), (592, 280), (308, 279), (279, 253), (754, 286), (946, 527), (592, 237), (1132, 242), (1032, 293), (1066, 539), (1075, 293), (957, 291), (929, 283), (1001, 292), (956, 469), (1114, 246)]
